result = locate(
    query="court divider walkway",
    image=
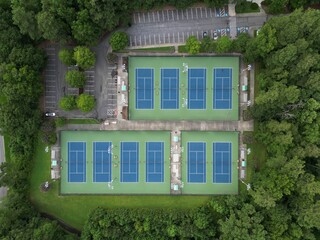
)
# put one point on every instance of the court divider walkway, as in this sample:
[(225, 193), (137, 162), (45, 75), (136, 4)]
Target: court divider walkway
[(165, 125)]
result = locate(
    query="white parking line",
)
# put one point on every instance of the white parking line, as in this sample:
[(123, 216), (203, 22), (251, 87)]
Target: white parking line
[(173, 39), (206, 13), (154, 38), (162, 15), (183, 36), (169, 37), (196, 12), (140, 41), (172, 15), (197, 35), (149, 39), (201, 12), (158, 16), (210, 12), (178, 37), (191, 13), (149, 17), (139, 17), (159, 38), (144, 17), (153, 17), (164, 38), (145, 41), (187, 14), (182, 14), (168, 14), (177, 14)]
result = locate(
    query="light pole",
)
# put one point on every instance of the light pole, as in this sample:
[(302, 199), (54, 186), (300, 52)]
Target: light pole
[(248, 185)]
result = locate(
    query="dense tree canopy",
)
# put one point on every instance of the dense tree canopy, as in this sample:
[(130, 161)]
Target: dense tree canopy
[(75, 79), (84, 57), (85, 102), (119, 41)]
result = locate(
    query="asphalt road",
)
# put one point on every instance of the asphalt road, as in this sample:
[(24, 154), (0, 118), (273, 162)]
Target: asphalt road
[(3, 190)]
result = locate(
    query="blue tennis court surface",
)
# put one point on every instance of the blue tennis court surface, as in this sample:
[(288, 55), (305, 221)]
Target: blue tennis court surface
[(222, 162), (102, 158), (129, 171), (222, 95), (155, 161), (76, 161), (196, 88), (144, 88), (196, 162), (170, 88)]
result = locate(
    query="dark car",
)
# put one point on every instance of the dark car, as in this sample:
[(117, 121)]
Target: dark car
[(215, 35), (205, 34)]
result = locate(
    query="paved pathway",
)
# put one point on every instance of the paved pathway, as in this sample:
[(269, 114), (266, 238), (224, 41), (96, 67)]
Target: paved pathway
[(3, 190), (166, 125)]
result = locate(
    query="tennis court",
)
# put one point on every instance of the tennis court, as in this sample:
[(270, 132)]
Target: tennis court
[(129, 162), (222, 88), (183, 88), (209, 162), (115, 162), (196, 162), (169, 88), (102, 158), (77, 161), (144, 88), (196, 88), (155, 161), (222, 162)]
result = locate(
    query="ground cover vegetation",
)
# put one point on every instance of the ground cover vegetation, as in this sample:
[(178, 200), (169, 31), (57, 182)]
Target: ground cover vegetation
[(20, 66), (284, 200)]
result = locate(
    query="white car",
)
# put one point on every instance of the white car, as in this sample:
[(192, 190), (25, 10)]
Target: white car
[(215, 35), (50, 114)]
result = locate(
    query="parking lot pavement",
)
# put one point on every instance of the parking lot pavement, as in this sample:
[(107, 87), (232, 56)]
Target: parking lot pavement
[(89, 88), (50, 77), (167, 15)]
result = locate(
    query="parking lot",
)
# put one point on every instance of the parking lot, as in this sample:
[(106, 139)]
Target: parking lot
[(50, 75), (168, 15)]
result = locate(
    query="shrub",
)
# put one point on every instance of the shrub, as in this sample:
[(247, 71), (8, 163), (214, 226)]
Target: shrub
[(224, 44), (84, 57), (75, 78), (193, 45), (86, 103), (68, 103), (66, 57), (119, 40), (112, 58)]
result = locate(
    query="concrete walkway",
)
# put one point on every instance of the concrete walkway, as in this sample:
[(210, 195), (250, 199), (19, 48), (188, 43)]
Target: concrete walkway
[(166, 125)]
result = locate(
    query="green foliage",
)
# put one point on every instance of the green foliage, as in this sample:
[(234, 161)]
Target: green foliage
[(119, 41), (24, 15), (112, 58), (60, 121), (277, 6), (207, 45), (28, 55), (247, 7), (75, 78), (144, 223), (193, 45), (84, 30), (86, 103), (66, 57), (216, 3), (224, 44), (48, 132), (240, 43), (68, 103), (84, 58)]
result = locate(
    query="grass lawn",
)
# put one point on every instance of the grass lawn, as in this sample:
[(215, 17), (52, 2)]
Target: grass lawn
[(74, 210), (169, 49), (82, 121)]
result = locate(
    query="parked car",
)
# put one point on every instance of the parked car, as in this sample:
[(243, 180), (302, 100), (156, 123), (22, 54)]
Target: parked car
[(215, 35), (50, 114), (204, 34)]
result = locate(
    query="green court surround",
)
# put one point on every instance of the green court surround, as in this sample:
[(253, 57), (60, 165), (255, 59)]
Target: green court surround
[(208, 62)]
